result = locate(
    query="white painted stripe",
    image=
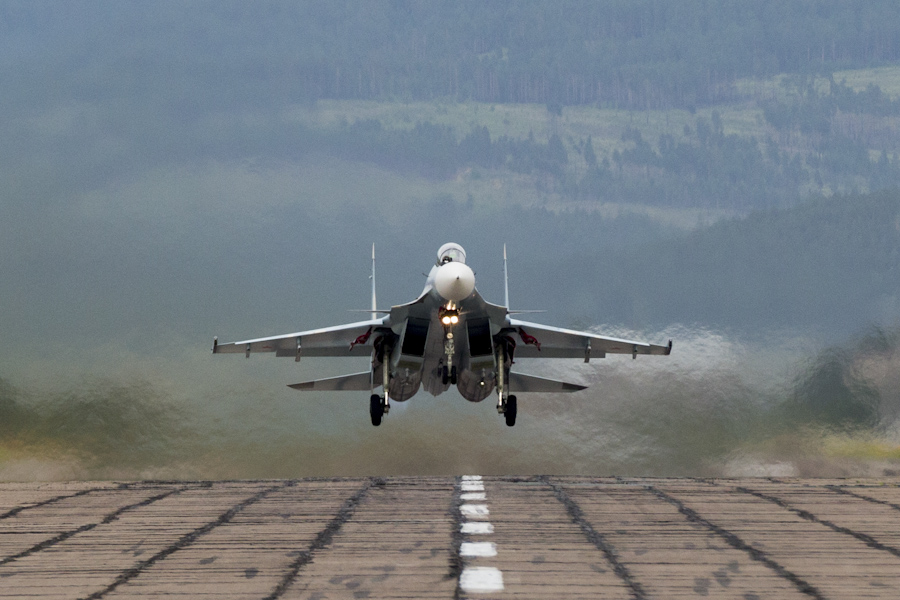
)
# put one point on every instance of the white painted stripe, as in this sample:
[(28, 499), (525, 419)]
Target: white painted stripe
[(481, 579), (478, 549), (477, 511), (471, 477), (473, 496), (476, 528), (475, 486)]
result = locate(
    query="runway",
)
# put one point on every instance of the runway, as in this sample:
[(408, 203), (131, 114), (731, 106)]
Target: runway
[(449, 538)]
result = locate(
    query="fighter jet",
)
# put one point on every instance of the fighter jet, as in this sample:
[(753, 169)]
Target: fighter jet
[(448, 336)]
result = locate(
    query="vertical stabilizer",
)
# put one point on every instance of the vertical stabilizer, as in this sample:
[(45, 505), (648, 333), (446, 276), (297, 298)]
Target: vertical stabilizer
[(505, 280), (374, 305)]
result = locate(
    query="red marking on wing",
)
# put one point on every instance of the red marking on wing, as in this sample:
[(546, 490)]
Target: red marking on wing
[(529, 340), (361, 339)]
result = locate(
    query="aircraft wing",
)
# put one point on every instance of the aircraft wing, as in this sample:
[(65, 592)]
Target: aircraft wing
[(519, 382), (353, 339), (355, 382), (543, 341)]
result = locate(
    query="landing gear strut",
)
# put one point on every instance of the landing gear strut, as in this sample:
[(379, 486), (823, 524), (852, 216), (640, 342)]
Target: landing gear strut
[(506, 404), (380, 405)]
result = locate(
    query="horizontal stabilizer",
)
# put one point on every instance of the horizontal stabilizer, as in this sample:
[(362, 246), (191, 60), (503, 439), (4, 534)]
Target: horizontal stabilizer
[(356, 382), (519, 382)]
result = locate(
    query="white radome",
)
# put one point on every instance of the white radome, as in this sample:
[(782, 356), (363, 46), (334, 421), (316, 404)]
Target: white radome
[(454, 281)]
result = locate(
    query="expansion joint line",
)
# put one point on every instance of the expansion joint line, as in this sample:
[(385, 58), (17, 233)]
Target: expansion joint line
[(324, 537), (186, 540), (13, 512), (736, 542), (456, 561), (868, 540), (596, 538), (106, 520), (841, 490)]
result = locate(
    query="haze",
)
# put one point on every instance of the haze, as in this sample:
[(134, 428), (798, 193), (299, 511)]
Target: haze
[(173, 172)]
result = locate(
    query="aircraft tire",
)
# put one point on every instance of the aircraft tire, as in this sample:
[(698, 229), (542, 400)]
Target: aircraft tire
[(511, 410), (376, 409), (445, 375), (453, 376)]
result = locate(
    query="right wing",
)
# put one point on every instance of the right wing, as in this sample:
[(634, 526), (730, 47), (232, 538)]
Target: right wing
[(354, 339)]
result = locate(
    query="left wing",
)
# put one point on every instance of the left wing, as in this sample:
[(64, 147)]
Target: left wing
[(542, 341), (353, 339), (520, 382), (356, 382)]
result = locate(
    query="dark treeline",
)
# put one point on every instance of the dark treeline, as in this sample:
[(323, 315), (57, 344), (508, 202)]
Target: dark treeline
[(624, 53), (706, 168), (831, 263), (94, 89)]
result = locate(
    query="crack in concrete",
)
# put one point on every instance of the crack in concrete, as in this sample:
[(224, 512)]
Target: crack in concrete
[(106, 520), (597, 538), (456, 561), (324, 537), (805, 514), (736, 542), (13, 512), (186, 540), (841, 490)]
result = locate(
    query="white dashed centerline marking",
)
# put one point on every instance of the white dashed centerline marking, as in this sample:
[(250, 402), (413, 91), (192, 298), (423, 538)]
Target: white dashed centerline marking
[(481, 579), (472, 496), (475, 511), (476, 580), (476, 528), (478, 549)]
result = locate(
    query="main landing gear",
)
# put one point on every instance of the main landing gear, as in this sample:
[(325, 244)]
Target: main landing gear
[(378, 407), (506, 403), (509, 409)]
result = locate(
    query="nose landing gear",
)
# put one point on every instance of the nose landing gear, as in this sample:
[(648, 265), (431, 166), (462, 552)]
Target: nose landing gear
[(448, 375)]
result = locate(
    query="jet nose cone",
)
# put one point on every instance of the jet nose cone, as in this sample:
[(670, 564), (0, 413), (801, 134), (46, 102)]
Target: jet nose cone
[(454, 281)]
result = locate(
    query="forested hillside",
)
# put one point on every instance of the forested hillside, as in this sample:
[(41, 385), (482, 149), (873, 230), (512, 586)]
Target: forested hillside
[(638, 54), (829, 263), (724, 106), (529, 122)]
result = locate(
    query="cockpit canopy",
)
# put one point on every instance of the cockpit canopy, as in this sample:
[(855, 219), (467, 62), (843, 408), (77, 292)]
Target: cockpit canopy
[(451, 253)]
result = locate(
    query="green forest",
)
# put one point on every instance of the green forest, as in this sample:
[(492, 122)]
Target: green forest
[(726, 106), (636, 54), (658, 141)]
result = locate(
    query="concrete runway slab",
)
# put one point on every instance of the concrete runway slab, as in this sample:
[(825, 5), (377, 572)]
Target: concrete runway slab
[(450, 538)]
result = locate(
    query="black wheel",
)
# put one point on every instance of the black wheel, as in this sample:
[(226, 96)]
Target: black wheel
[(511, 411), (445, 375), (376, 409), (453, 376)]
